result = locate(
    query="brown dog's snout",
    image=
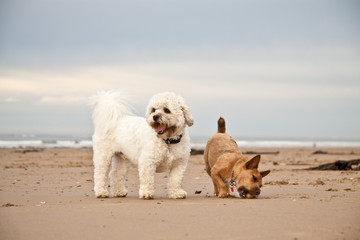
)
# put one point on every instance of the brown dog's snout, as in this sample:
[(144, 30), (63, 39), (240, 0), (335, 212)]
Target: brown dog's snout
[(245, 193)]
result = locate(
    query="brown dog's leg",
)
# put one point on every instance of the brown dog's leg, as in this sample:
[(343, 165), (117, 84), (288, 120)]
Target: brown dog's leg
[(216, 190), (220, 185)]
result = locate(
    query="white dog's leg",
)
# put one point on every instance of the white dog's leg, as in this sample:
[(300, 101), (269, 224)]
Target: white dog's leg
[(147, 179), (117, 176), (102, 164), (175, 180)]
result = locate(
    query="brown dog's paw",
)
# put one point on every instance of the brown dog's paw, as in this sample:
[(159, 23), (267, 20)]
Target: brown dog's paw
[(223, 195)]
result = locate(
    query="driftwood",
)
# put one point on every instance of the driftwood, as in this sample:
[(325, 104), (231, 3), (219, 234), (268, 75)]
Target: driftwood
[(201, 151), (261, 153), (338, 165), (320, 152), (197, 151), (331, 153), (27, 150)]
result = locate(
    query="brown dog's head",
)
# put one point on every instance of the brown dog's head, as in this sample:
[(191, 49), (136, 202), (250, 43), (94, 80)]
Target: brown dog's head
[(247, 178)]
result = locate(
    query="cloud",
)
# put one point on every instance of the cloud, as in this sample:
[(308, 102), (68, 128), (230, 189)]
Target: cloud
[(280, 61), (11, 99), (63, 100), (195, 79)]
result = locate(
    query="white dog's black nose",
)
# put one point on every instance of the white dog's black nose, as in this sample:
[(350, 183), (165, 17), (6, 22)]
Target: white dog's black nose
[(156, 117)]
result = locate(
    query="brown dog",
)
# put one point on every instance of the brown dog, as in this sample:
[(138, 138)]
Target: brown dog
[(229, 168)]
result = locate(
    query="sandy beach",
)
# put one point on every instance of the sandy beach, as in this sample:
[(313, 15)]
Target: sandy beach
[(48, 194)]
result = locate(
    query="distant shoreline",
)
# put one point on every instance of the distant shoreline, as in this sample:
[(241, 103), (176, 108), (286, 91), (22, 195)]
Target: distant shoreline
[(197, 142), (196, 145)]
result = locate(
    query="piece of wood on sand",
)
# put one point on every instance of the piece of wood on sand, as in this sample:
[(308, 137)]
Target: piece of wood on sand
[(341, 165)]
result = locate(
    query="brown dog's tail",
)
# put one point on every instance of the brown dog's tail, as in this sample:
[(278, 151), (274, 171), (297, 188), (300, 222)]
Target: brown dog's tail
[(221, 125)]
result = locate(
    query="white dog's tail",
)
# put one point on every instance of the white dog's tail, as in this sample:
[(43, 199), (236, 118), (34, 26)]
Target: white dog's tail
[(108, 108)]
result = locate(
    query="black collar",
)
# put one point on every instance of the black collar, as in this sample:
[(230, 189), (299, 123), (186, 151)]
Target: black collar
[(173, 140)]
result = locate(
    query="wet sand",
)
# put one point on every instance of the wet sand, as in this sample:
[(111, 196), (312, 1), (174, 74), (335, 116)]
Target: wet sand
[(48, 194)]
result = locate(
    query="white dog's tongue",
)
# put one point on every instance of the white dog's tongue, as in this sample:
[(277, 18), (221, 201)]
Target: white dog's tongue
[(160, 129)]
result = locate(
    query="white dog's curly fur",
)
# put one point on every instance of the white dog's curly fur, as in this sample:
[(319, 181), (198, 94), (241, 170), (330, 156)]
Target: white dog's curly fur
[(120, 138)]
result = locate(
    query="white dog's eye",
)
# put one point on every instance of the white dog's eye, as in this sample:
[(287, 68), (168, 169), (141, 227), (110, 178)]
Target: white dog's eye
[(166, 110), (153, 110)]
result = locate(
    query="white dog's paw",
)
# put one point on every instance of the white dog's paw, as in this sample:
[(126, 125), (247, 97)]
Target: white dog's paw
[(179, 193), (101, 193), (120, 193), (146, 194)]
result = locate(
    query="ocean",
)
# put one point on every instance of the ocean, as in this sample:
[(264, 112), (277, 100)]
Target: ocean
[(50, 141), (43, 141)]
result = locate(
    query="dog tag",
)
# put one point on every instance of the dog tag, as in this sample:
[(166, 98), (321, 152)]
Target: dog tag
[(232, 189)]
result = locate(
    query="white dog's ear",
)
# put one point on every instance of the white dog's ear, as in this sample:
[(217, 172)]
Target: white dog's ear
[(186, 110)]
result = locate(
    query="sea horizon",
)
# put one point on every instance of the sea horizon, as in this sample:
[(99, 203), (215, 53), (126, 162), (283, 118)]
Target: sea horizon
[(78, 141)]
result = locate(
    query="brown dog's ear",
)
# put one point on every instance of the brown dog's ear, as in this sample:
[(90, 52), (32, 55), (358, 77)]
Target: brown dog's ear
[(253, 163), (264, 173)]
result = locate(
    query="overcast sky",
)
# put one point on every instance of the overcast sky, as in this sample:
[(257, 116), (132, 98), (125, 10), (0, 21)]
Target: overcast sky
[(271, 68)]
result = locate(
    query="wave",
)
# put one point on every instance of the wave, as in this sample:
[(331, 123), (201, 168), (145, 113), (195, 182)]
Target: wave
[(289, 144), (53, 141), (45, 143)]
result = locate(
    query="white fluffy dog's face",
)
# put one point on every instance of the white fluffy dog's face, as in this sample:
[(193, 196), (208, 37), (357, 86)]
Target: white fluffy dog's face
[(168, 115)]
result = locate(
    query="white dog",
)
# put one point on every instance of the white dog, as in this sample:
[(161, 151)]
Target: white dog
[(156, 144)]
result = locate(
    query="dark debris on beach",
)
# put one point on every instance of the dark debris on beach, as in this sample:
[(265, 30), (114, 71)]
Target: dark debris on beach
[(339, 165)]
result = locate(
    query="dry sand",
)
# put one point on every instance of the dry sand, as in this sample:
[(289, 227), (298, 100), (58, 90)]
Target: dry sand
[(48, 194)]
